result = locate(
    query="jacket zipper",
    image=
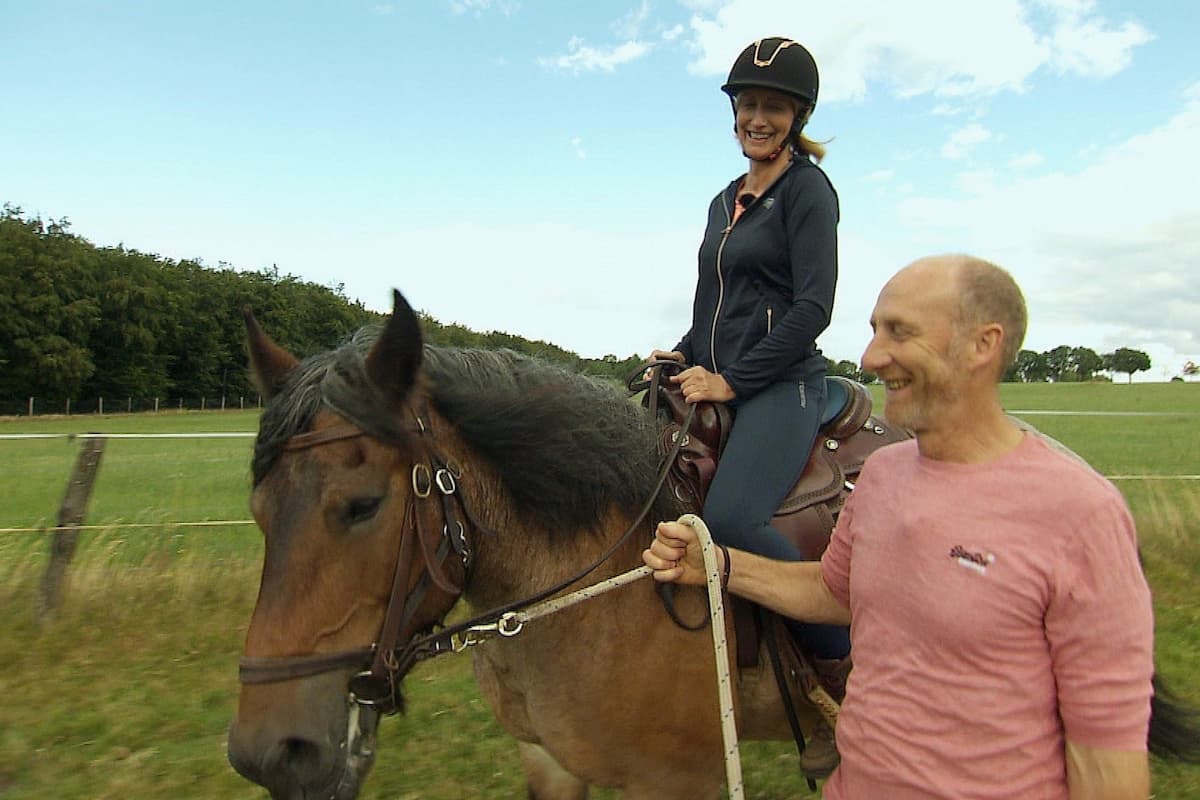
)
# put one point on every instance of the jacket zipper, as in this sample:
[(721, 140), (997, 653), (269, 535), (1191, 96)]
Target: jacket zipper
[(729, 223), (768, 319), (712, 336)]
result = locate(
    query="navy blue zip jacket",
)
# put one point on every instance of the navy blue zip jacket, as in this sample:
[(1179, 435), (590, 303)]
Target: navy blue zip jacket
[(766, 283)]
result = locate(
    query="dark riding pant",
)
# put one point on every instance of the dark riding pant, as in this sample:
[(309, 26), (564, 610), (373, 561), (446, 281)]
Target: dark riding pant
[(772, 435)]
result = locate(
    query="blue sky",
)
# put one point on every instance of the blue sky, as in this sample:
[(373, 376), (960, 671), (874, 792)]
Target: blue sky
[(544, 167)]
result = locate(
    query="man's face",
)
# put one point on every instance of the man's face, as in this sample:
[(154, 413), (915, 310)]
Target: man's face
[(916, 349)]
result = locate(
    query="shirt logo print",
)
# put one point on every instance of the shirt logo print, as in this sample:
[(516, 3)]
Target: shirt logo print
[(976, 561), (768, 202)]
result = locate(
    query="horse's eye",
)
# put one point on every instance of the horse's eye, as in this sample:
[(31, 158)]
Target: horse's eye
[(362, 509)]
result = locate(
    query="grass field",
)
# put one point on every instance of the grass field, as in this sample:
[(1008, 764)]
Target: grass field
[(127, 694)]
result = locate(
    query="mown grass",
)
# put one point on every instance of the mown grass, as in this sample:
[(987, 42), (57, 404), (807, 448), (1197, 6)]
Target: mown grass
[(128, 692)]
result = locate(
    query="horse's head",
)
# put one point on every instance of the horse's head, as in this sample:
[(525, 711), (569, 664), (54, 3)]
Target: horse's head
[(355, 561)]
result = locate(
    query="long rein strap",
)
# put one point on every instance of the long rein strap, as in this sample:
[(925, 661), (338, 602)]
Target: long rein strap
[(511, 623), (716, 605)]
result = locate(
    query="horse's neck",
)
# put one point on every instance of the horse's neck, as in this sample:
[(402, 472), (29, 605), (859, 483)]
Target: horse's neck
[(520, 561), (515, 557)]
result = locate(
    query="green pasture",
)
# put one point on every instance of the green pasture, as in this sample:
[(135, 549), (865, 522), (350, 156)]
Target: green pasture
[(128, 692)]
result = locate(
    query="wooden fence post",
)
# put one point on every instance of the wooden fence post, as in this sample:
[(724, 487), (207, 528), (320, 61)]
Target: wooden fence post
[(70, 516)]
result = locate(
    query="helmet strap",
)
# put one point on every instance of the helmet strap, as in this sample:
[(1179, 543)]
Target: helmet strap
[(767, 159)]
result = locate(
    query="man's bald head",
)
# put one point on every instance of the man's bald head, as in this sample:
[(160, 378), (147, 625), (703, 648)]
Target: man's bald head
[(980, 292)]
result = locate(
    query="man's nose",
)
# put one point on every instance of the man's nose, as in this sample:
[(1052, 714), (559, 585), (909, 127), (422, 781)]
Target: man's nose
[(874, 357)]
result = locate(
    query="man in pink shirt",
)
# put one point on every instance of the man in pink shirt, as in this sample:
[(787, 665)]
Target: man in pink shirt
[(1001, 625)]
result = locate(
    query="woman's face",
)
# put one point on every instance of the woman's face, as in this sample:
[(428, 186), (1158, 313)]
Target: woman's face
[(764, 118)]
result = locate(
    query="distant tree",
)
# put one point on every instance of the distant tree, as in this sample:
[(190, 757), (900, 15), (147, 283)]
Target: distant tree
[(77, 321), (844, 368), (1123, 359), (848, 369), (1030, 367), (48, 309), (1084, 363), (1191, 369), (1058, 363), (611, 367)]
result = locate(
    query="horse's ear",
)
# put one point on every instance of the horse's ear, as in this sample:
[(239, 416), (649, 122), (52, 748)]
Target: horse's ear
[(270, 364), (396, 356)]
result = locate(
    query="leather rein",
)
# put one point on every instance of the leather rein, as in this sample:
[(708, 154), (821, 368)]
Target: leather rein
[(386, 662)]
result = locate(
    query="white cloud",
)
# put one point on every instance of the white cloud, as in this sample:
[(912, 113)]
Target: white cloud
[(673, 33), (1026, 160), (581, 57), (1087, 45), (571, 289), (864, 46), (505, 7), (630, 26), (964, 140), (880, 176), (1089, 248), (947, 110), (577, 146)]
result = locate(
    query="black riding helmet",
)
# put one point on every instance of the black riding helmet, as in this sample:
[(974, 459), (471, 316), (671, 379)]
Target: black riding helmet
[(780, 64), (775, 63)]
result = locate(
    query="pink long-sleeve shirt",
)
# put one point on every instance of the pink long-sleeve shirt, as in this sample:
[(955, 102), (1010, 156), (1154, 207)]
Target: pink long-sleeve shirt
[(998, 609)]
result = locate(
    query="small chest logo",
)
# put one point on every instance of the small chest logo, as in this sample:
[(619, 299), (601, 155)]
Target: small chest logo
[(768, 202), (976, 561)]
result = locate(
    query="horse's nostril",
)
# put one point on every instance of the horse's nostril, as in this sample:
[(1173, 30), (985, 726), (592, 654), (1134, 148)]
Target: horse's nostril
[(296, 762), (303, 759)]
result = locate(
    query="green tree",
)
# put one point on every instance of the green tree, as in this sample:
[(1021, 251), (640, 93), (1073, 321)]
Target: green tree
[(1123, 359), (1058, 363), (848, 369), (1029, 367), (136, 312), (844, 368), (1084, 363), (47, 308), (1032, 367)]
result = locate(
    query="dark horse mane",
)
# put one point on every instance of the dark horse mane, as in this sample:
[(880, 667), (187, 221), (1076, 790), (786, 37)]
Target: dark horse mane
[(568, 448)]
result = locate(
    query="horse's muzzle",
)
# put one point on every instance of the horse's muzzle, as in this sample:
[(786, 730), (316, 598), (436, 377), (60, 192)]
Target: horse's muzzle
[(306, 755)]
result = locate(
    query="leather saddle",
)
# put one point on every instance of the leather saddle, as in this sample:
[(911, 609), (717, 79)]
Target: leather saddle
[(849, 432)]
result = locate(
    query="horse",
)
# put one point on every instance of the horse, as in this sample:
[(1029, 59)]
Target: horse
[(391, 478)]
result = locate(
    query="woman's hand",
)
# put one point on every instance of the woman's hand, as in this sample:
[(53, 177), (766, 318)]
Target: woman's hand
[(661, 355), (666, 355), (698, 384)]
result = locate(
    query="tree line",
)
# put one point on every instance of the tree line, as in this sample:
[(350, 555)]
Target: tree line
[(1066, 364), (1063, 364), (81, 324)]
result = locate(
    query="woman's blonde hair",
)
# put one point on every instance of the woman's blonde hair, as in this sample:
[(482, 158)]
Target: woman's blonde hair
[(815, 150)]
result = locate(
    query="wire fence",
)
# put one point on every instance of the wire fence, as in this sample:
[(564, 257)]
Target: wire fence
[(199, 525), (75, 406)]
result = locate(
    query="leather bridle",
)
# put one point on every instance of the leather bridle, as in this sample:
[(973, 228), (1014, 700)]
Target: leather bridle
[(389, 658), (435, 482)]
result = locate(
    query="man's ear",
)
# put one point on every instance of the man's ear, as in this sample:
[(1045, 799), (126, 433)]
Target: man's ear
[(986, 347)]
